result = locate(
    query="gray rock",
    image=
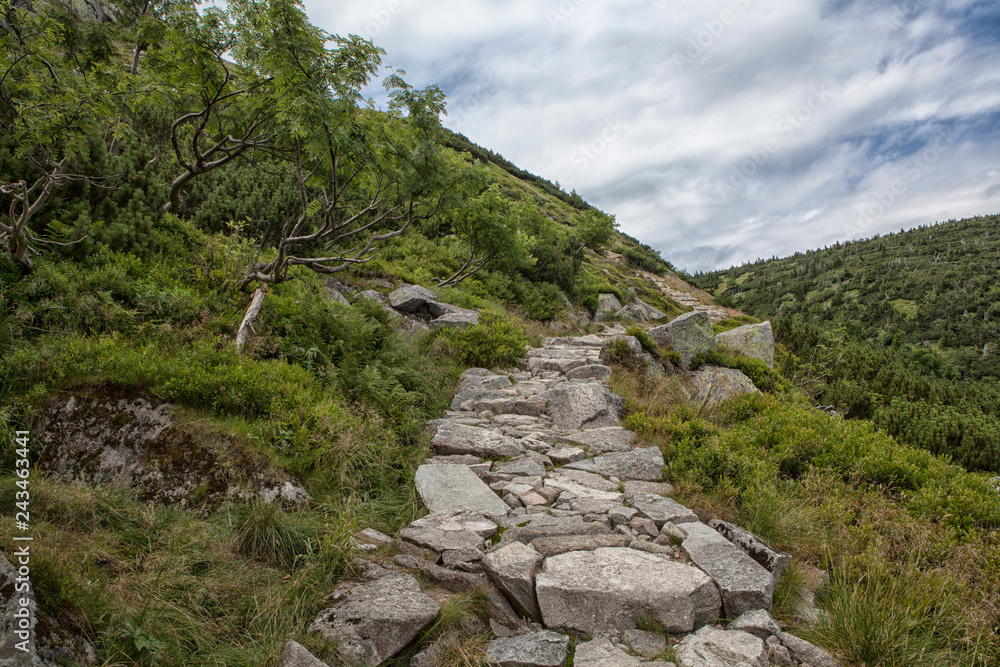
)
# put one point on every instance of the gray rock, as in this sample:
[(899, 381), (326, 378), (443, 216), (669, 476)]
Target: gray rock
[(527, 467), (445, 487), (446, 578), (646, 311), (455, 321), (646, 644), (621, 515), (563, 365), (642, 464), (757, 622), (458, 520), (598, 372), (566, 455), (452, 438), (537, 649), (438, 309), (412, 299), (688, 335), (607, 305), (569, 526), (605, 439), (744, 584), (461, 557), (441, 540), (600, 652), (373, 621), (807, 653), (578, 406), (604, 589), (711, 386), (711, 647), (512, 569), (296, 655), (776, 562), (337, 297), (635, 488), (588, 479), (581, 491), (372, 295), (753, 340), (553, 546), (662, 510)]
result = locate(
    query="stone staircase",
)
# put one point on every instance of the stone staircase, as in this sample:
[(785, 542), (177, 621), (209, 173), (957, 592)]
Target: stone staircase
[(542, 501)]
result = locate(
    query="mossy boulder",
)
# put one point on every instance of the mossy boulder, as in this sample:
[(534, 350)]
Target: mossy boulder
[(109, 436), (752, 340)]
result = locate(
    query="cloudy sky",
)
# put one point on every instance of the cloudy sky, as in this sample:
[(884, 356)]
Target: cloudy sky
[(719, 131)]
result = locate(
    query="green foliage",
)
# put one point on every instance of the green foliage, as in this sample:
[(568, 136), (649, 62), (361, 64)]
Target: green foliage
[(496, 342), (642, 336)]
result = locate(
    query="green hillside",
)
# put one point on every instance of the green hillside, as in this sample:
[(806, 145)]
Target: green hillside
[(903, 329)]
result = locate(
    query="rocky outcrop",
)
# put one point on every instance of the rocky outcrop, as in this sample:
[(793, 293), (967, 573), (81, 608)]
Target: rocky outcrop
[(688, 335), (373, 620), (578, 406), (639, 311), (752, 340), (105, 436), (445, 487)]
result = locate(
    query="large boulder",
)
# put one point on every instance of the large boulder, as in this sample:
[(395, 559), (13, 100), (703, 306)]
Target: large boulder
[(444, 487), (536, 649), (712, 647), (578, 406), (512, 569), (454, 438), (607, 305), (606, 588), (688, 335), (374, 620), (711, 386), (412, 299), (110, 437), (753, 340), (745, 585)]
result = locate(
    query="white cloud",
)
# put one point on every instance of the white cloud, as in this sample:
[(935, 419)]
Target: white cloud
[(646, 108)]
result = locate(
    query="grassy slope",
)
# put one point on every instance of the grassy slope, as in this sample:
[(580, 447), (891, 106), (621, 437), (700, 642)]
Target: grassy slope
[(157, 585)]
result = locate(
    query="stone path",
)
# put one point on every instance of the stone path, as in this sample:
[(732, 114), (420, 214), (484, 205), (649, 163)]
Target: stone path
[(541, 499)]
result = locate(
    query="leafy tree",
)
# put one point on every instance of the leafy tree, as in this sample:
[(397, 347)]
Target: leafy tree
[(52, 101)]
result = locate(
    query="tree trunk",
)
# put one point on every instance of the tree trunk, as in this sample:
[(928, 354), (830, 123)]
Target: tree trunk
[(251, 315)]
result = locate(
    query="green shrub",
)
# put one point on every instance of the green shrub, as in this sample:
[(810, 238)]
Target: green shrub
[(496, 342), (642, 336), (763, 376)]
